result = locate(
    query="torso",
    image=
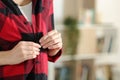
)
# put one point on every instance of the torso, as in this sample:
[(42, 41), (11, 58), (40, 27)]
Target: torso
[(14, 28)]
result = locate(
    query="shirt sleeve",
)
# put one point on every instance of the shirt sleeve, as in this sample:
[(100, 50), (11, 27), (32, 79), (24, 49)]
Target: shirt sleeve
[(51, 16), (51, 27), (54, 58)]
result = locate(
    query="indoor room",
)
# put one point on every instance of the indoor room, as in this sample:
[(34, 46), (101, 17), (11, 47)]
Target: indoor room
[(91, 33)]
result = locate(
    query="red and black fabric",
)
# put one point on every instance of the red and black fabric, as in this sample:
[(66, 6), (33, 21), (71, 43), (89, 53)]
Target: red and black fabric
[(14, 28)]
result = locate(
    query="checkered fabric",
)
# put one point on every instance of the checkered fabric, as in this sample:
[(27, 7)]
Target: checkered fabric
[(14, 28)]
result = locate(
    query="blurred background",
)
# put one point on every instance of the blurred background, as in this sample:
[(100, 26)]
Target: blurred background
[(91, 33)]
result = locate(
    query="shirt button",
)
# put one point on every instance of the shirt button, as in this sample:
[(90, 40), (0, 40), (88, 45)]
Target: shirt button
[(26, 22), (37, 62)]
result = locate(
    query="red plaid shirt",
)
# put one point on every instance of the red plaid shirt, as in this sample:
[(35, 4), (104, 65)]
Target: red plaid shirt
[(14, 28)]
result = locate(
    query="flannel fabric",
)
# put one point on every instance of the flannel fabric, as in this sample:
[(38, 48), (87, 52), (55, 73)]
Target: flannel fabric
[(14, 28)]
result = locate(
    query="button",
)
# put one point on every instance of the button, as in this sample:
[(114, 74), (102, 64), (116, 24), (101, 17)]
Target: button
[(37, 62), (26, 22)]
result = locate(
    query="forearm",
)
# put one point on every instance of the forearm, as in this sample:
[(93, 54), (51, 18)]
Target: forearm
[(53, 58), (4, 58), (53, 52)]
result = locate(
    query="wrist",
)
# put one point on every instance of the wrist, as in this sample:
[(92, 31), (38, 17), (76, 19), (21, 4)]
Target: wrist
[(5, 57), (53, 52)]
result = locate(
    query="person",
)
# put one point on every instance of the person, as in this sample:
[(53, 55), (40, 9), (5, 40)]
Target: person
[(27, 39)]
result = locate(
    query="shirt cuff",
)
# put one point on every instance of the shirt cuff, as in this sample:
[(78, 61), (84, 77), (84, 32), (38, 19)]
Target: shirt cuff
[(54, 58)]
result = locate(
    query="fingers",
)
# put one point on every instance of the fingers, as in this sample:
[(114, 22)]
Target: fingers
[(31, 55), (51, 43), (48, 35), (51, 40), (58, 45), (29, 49), (24, 51), (33, 44), (29, 44)]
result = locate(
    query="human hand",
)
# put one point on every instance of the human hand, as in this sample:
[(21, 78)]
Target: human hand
[(23, 51), (53, 41)]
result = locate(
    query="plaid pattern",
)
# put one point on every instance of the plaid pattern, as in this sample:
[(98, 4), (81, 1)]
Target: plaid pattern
[(14, 28)]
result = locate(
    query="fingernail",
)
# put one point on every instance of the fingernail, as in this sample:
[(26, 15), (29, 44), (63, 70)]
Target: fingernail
[(38, 53), (49, 47), (44, 47), (40, 40), (38, 50), (39, 46)]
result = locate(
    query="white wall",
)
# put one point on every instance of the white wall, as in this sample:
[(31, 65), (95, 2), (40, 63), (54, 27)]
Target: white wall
[(109, 10), (110, 13), (58, 11)]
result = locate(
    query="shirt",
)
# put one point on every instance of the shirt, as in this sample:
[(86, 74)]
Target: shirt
[(15, 28), (26, 11)]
